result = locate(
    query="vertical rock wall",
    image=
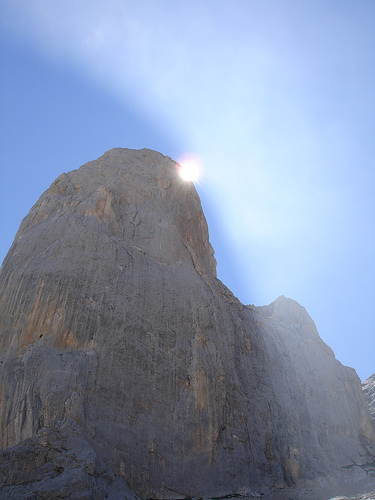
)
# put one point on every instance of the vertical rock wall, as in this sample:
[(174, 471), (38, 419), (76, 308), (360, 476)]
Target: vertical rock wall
[(368, 388), (114, 327)]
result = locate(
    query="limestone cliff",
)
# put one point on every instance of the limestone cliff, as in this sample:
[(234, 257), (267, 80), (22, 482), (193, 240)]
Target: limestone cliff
[(120, 347), (369, 392)]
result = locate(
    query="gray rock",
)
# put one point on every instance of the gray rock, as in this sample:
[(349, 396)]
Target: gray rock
[(115, 328), (57, 463), (368, 388)]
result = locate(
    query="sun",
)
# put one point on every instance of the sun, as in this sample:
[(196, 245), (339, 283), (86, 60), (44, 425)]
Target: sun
[(190, 167)]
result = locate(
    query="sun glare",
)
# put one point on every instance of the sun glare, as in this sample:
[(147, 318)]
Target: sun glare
[(190, 167)]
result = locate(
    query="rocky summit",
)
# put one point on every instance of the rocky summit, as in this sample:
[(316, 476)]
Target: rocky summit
[(128, 369)]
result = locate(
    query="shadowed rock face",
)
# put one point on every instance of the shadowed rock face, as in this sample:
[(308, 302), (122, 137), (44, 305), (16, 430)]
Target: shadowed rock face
[(369, 392), (115, 329)]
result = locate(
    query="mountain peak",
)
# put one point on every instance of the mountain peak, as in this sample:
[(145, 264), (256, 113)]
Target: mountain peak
[(134, 196), (125, 362)]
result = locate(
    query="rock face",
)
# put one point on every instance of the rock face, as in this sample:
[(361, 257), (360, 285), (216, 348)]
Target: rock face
[(120, 347), (368, 388)]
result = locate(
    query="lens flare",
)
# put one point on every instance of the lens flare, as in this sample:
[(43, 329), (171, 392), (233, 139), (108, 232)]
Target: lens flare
[(190, 167)]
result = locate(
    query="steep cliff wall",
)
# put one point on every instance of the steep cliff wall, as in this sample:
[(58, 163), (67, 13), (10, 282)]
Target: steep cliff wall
[(114, 328), (368, 388)]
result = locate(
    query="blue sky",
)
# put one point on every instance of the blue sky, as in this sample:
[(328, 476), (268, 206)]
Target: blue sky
[(276, 97)]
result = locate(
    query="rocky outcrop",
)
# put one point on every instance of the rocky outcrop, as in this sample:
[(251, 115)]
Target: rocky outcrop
[(114, 328), (368, 388), (58, 463)]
